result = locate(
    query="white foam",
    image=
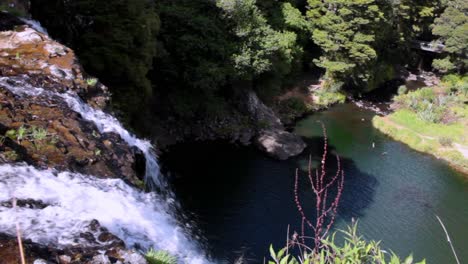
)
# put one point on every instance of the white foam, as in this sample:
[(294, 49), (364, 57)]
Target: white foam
[(36, 25), (75, 199), (104, 122)]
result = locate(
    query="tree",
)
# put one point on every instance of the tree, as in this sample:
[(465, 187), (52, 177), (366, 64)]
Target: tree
[(345, 31), (114, 39), (193, 70), (452, 29), (261, 48), (413, 18)]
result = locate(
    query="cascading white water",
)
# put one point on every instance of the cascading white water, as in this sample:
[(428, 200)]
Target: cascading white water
[(104, 122), (75, 199), (36, 25)]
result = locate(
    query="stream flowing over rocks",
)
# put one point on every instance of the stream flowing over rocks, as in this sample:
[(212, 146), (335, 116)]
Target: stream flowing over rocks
[(75, 173)]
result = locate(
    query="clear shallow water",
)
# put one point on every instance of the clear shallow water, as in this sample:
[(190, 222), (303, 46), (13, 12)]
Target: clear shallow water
[(242, 201)]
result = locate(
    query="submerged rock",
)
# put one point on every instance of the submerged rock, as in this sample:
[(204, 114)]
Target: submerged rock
[(280, 143)]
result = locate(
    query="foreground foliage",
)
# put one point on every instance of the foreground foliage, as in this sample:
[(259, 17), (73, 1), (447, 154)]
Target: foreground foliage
[(355, 249), (160, 257)]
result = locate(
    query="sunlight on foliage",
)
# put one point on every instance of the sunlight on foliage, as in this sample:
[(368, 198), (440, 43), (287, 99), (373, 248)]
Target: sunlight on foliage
[(160, 257)]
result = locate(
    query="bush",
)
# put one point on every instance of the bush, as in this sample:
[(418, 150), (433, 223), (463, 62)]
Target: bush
[(425, 103), (443, 65), (160, 257), (456, 83), (445, 141), (294, 105), (429, 112), (402, 89), (327, 98)]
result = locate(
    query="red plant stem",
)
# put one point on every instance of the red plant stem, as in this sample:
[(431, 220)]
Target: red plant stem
[(325, 210)]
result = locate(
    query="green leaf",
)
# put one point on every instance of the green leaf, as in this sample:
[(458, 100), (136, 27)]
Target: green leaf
[(272, 252), (281, 253), (409, 259)]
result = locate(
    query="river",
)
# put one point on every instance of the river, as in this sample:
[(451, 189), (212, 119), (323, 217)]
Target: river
[(241, 201)]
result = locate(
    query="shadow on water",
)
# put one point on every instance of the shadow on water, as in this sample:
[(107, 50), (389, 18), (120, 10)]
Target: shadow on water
[(241, 201)]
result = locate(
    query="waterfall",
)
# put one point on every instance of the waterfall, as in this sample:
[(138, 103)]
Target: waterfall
[(73, 200), (36, 25), (104, 122)]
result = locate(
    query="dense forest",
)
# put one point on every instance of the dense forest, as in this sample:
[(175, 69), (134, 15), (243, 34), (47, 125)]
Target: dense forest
[(187, 60)]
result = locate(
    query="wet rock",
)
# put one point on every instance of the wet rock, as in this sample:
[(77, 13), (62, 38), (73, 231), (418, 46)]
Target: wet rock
[(25, 203), (27, 51), (32, 59), (280, 144), (82, 254), (71, 143)]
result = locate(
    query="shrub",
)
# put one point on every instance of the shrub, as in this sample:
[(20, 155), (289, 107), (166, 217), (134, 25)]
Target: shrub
[(295, 104), (445, 141), (160, 257), (91, 81), (402, 89), (456, 83), (429, 113), (327, 98)]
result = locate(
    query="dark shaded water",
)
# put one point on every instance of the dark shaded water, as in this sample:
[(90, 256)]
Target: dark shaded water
[(241, 201)]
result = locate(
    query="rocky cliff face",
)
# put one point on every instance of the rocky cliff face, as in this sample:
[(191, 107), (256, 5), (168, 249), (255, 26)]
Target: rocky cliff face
[(39, 128), (253, 123)]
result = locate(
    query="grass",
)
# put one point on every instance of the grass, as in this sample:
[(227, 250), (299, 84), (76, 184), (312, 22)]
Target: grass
[(91, 81), (160, 257), (431, 138), (410, 120)]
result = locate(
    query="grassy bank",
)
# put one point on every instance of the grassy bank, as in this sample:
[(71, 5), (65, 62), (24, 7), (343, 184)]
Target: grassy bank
[(432, 120)]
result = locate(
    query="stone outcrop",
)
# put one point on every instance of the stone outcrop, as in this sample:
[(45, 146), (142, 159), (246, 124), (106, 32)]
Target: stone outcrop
[(250, 122), (272, 136), (54, 136)]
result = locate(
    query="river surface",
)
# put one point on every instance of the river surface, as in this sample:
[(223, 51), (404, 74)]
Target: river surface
[(241, 201)]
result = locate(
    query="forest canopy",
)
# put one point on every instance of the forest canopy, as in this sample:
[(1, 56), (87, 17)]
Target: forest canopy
[(194, 58)]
